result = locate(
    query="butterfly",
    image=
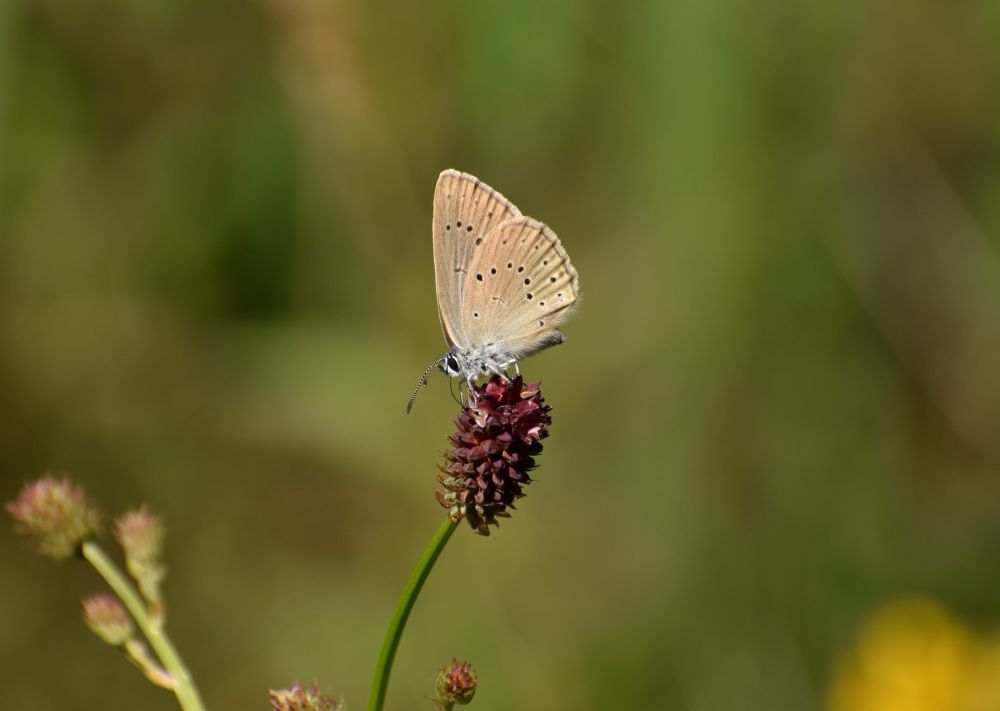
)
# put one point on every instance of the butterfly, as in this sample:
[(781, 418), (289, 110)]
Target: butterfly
[(504, 282)]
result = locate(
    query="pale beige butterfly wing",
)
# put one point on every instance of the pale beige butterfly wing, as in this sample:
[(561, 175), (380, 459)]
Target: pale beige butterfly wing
[(521, 286), (465, 211)]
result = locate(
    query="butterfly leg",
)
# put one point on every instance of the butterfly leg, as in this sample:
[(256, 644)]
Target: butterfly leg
[(497, 370)]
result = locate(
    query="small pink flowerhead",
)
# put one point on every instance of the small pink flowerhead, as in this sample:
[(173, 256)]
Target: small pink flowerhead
[(301, 698), (140, 534), (498, 436), (58, 515), (456, 684), (106, 618)]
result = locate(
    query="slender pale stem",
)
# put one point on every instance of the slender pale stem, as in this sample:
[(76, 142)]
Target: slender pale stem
[(184, 688), (137, 653), (403, 607)]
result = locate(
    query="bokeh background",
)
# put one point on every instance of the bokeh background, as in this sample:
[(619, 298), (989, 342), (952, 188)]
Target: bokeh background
[(773, 476)]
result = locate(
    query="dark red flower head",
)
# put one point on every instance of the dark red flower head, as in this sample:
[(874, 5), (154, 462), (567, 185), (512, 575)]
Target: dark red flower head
[(498, 437)]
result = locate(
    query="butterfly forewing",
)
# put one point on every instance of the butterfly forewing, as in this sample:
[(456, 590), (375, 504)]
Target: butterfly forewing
[(465, 212), (519, 288)]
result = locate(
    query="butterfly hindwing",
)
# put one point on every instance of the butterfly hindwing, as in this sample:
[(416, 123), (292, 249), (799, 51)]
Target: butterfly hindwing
[(519, 288)]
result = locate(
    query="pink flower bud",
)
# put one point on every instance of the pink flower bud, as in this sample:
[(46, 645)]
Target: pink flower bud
[(58, 515)]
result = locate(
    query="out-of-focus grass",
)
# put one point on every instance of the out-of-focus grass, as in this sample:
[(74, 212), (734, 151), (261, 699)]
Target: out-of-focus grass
[(776, 408)]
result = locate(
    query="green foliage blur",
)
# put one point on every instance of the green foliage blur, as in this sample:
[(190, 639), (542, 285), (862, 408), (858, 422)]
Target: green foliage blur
[(778, 406)]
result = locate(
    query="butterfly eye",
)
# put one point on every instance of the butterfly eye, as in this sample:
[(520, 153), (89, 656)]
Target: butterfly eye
[(520, 269), (493, 270), (527, 280), (530, 296), (450, 366), (479, 277)]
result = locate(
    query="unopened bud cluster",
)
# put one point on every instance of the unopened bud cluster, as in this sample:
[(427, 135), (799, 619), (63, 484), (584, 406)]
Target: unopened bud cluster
[(303, 698), (140, 534), (63, 522), (456, 684), (106, 618)]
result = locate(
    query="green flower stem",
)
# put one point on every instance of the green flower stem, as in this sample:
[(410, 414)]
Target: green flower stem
[(403, 608), (183, 686)]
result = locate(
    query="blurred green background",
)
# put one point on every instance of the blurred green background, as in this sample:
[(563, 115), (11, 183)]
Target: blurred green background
[(778, 407)]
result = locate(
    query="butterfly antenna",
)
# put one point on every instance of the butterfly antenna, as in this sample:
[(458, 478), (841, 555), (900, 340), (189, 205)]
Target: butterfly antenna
[(422, 383)]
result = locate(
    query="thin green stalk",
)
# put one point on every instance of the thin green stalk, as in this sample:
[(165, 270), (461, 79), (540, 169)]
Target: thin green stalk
[(403, 607), (184, 688)]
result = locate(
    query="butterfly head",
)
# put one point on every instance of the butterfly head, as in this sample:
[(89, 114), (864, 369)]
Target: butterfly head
[(470, 364), (450, 364)]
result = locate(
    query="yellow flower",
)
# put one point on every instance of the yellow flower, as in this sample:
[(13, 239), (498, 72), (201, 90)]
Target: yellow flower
[(914, 655)]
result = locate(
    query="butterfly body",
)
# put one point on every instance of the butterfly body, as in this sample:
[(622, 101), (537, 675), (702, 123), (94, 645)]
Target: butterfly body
[(504, 282), (490, 358)]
